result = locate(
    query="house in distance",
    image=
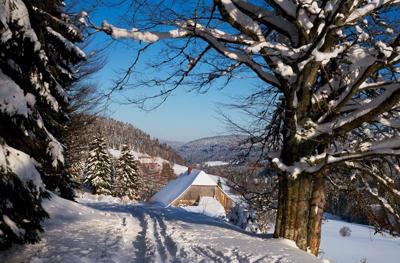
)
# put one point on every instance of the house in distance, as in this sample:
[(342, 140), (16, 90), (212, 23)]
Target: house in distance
[(189, 187)]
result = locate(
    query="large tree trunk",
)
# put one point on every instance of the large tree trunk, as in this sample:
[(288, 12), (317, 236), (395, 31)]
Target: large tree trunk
[(316, 214), (300, 209)]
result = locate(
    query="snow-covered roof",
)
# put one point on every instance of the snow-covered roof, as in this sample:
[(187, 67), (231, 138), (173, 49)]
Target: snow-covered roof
[(175, 188)]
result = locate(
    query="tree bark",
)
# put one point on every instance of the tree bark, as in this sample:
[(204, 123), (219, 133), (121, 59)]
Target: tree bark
[(316, 214), (294, 202), (303, 212), (300, 210), (278, 223)]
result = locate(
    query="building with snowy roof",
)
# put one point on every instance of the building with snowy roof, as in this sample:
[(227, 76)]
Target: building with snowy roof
[(189, 187)]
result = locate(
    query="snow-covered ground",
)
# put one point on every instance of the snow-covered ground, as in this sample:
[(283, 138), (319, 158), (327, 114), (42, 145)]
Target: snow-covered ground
[(361, 244), (107, 229), (104, 230), (77, 233)]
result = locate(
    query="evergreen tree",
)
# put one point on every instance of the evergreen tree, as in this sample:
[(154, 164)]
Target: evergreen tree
[(219, 183), (167, 172), (37, 56), (99, 167), (128, 181)]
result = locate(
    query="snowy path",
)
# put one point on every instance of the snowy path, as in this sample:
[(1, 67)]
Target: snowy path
[(113, 232), (175, 235)]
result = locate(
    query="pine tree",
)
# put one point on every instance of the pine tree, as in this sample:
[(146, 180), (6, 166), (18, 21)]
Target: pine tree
[(99, 167), (37, 56), (128, 181)]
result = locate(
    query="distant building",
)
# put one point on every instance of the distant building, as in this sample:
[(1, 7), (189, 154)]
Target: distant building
[(188, 188)]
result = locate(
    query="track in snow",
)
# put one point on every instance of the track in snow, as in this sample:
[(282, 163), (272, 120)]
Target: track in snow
[(175, 235)]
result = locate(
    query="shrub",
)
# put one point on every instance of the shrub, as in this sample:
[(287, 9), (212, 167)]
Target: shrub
[(345, 231)]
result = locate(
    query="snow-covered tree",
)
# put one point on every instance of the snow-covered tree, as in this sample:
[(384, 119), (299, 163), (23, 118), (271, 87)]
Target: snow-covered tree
[(244, 217), (128, 180), (328, 95), (84, 103), (38, 59), (99, 165)]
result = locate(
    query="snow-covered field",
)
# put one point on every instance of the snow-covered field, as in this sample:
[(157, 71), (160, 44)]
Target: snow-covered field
[(104, 230)]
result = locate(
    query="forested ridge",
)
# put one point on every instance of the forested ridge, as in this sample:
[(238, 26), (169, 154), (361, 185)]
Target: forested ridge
[(119, 133)]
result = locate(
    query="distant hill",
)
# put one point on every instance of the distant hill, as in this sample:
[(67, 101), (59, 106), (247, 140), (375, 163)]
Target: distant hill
[(218, 148), (173, 144)]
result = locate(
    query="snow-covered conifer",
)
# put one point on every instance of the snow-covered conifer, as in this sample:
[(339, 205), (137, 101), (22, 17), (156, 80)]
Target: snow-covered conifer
[(37, 56), (99, 165), (128, 178)]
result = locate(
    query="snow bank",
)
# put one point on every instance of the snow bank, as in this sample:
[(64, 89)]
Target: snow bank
[(85, 196)]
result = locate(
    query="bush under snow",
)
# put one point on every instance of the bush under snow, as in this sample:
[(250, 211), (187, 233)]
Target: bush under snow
[(244, 217)]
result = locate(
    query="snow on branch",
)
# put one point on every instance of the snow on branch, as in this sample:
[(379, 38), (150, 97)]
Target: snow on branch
[(68, 44), (190, 28), (21, 164), (72, 31), (240, 20), (315, 163), (368, 8), (388, 99), (394, 123), (271, 19), (12, 98), (382, 201), (389, 146), (16, 12), (146, 36), (235, 55), (377, 175)]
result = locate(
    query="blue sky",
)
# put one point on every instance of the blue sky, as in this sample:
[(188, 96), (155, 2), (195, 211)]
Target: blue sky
[(184, 116)]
